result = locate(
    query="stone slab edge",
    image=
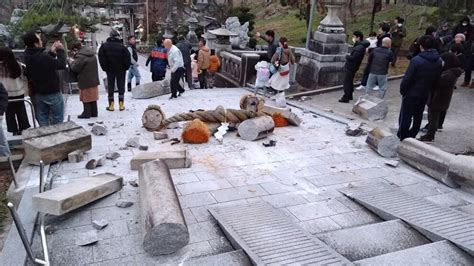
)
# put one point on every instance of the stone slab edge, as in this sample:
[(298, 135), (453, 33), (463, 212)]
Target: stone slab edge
[(13, 252)]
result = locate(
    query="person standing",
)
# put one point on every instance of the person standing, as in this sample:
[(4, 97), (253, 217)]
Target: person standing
[(280, 81), (85, 66), (185, 47), (4, 148), (204, 61), (421, 76), (159, 61), (365, 76), (10, 76), (115, 60), (176, 63), (467, 29), (379, 61), (399, 32), (45, 88), (445, 30), (353, 62), (441, 95), (214, 66), (272, 42), (384, 32), (133, 71)]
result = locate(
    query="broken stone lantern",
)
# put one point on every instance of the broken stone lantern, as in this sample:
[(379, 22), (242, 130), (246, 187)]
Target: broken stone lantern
[(323, 64), (222, 41)]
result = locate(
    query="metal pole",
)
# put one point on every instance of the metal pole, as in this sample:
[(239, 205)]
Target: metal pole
[(310, 25), (23, 236), (12, 168), (41, 177), (147, 25)]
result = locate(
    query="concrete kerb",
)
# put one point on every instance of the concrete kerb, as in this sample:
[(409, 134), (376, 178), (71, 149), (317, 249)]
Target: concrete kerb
[(13, 252)]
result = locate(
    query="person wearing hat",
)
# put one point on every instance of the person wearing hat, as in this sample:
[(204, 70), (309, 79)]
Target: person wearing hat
[(399, 32), (115, 60)]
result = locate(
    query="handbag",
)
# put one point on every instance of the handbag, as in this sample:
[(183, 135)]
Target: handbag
[(275, 66)]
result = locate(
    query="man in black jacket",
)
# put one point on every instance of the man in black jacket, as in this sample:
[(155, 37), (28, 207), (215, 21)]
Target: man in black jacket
[(353, 62), (420, 78), (185, 47), (44, 83), (115, 60), (273, 44)]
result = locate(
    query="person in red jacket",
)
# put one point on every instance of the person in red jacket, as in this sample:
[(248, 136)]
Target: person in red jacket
[(214, 66)]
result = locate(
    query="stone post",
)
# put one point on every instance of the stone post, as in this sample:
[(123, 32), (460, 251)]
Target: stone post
[(248, 71)]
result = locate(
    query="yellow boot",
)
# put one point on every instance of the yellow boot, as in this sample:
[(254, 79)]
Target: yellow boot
[(121, 106), (110, 107)]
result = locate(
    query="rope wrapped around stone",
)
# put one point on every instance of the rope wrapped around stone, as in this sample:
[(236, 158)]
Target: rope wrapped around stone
[(216, 116)]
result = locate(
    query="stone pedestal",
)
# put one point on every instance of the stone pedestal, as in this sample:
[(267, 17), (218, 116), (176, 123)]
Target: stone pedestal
[(323, 64)]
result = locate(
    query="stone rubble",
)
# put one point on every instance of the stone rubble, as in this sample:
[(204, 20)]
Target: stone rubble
[(100, 224), (123, 203), (87, 238)]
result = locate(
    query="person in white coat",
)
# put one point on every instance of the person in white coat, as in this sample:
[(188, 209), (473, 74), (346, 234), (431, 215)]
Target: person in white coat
[(176, 64)]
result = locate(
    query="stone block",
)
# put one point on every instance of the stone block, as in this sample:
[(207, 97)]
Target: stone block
[(384, 143), (330, 37), (174, 159), (461, 170), (327, 70), (100, 224), (329, 48), (164, 227), (75, 156), (158, 135), (152, 89), (370, 108), (54, 143), (71, 196)]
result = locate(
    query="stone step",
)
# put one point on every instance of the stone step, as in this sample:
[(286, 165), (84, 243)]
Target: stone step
[(269, 237), (437, 253), (233, 258), (432, 220), (373, 240)]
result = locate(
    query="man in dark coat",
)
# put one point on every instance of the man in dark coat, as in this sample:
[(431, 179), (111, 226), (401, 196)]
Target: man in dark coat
[(159, 61), (399, 32), (379, 61), (420, 77), (4, 148), (384, 32), (273, 44), (353, 62), (185, 47), (44, 82), (441, 95), (115, 60)]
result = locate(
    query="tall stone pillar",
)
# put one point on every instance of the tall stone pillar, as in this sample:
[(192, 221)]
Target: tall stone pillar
[(323, 64)]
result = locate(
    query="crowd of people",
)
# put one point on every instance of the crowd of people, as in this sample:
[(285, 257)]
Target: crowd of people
[(437, 59)]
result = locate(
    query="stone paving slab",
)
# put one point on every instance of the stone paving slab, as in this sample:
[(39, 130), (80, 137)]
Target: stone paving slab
[(373, 239), (268, 237), (433, 220), (438, 253), (234, 258)]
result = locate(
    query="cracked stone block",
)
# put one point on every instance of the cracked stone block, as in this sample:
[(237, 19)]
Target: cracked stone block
[(68, 197), (76, 156), (123, 203), (152, 89), (54, 143), (384, 143), (87, 238), (158, 135), (371, 108), (99, 130), (100, 224)]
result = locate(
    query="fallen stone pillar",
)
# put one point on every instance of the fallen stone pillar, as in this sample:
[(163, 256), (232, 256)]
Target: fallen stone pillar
[(151, 89), (165, 229), (461, 170), (153, 117), (71, 196), (428, 159), (384, 143), (256, 128), (370, 108), (54, 143), (174, 159), (286, 113)]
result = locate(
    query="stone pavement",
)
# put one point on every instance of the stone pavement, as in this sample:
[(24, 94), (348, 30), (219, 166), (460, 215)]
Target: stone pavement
[(456, 137), (300, 176)]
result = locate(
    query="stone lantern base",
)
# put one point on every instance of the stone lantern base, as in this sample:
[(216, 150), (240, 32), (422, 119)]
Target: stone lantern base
[(316, 70)]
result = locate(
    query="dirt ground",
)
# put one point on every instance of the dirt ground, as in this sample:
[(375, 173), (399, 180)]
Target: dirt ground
[(5, 219)]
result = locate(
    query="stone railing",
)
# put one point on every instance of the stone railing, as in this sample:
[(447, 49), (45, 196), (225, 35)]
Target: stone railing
[(231, 66)]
